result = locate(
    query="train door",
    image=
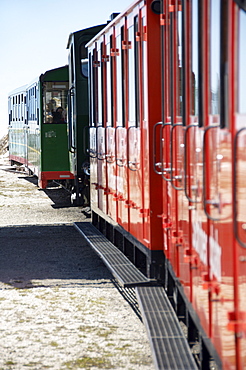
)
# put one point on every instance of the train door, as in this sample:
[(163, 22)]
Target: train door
[(195, 253), (144, 122), (25, 130), (97, 128), (172, 131), (164, 166), (186, 177), (33, 131), (178, 91), (72, 107), (100, 129), (179, 203), (121, 195), (237, 317), (134, 144), (109, 59), (220, 280), (93, 120)]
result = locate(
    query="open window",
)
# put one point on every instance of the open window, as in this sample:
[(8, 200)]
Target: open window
[(55, 102)]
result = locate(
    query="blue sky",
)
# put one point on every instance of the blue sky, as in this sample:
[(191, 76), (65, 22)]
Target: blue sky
[(34, 34)]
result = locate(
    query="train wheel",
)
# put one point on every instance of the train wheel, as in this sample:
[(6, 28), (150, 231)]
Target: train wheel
[(80, 193)]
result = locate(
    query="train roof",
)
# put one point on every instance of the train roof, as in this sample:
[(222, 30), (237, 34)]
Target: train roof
[(18, 90), (114, 20), (77, 33), (54, 72)]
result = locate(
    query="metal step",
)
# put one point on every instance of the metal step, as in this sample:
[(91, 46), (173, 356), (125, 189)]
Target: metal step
[(122, 269), (169, 346)]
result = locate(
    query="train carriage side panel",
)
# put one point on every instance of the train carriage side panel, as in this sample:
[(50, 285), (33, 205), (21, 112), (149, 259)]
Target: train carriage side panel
[(53, 126), (138, 188), (78, 117), (151, 113), (33, 127), (17, 125)]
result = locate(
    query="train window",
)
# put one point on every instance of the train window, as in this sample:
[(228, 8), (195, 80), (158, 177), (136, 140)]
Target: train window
[(194, 59), (108, 97), (119, 82), (241, 64), (110, 66), (84, 67), (123, 77), (131, 79), (90, 89), (144, 75), (137, 67), (224, 65), (103, 87), (55, 102), (99, 82), (71, 64), (215, 57), (84, 60), (179, 70), (95, 87)]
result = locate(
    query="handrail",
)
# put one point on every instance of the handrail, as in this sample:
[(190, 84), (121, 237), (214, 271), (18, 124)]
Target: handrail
[(207, 201), (116, 141), (185, 164), (70, 143), (107, 156), (92, 153), (171, 157), (165, 169), (157, 164), (129, 162), (100, 156)]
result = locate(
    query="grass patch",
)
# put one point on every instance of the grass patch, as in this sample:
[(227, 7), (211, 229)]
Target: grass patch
[(100, 332), (10, 363), (87, 362)]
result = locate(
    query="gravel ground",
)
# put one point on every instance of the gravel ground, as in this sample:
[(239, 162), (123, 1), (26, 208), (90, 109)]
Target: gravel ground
[(60, 307)]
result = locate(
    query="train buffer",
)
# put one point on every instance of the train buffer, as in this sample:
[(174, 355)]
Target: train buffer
[(169, 346)]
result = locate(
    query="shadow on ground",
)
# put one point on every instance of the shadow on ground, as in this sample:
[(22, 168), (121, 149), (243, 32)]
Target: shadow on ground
[(57, 194), (43, 256), (47, 253)]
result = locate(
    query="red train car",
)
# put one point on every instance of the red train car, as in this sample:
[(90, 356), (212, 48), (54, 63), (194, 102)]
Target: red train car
[(167, 143), (122, 115)]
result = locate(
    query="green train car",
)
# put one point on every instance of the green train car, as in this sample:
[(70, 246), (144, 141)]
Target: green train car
[(49, 122), (78, 117), (38, 127)]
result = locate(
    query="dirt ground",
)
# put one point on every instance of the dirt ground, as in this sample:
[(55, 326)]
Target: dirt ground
[(60, 307)]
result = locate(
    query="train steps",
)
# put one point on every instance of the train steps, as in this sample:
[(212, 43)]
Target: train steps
[(170, 349), (120, 266), (169, 346)]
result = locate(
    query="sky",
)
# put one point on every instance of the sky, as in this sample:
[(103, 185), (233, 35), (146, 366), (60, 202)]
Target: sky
[(34, 35)]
